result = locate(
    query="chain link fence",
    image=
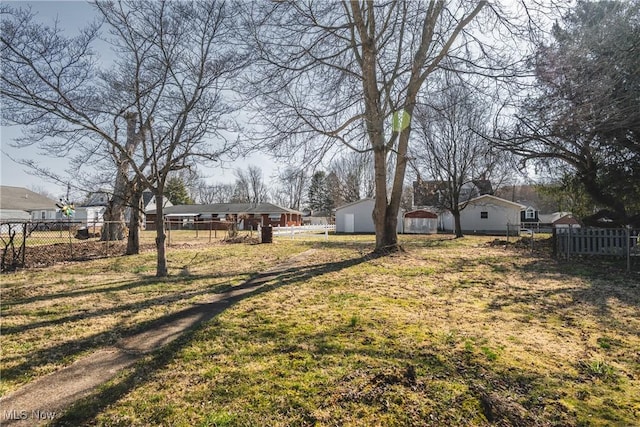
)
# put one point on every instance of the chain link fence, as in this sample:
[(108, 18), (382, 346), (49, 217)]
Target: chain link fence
[(41, 243), (44, 242)]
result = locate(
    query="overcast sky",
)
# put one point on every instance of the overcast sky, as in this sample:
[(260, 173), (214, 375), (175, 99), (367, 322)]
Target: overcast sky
[(73, 15)]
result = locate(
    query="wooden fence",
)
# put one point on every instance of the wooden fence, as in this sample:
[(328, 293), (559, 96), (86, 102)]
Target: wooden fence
[(614, 242)]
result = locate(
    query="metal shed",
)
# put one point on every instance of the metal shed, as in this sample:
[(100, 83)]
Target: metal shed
[(420, 222)]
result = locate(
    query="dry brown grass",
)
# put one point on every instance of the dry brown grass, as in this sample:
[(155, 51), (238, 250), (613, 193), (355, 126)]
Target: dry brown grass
[(452, 332)]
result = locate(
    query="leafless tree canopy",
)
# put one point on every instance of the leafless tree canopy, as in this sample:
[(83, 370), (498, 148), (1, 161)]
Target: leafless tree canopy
[(451, 151), (250, 186), (159, 108), (336, 72)]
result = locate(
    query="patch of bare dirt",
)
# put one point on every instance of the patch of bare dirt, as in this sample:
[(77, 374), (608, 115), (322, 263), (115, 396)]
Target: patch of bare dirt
[(48, 255), (241, 239)]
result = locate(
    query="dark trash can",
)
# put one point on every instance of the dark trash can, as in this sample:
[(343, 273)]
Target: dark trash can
[(82, 234), (267, 234)]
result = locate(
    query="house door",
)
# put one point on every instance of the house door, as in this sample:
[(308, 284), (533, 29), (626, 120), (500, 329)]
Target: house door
[(349, 222)]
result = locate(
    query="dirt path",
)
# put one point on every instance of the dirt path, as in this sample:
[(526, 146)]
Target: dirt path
[(46, 399)]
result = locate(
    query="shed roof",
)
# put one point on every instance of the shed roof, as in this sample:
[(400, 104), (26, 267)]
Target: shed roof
[(420, 213), (13, 214)]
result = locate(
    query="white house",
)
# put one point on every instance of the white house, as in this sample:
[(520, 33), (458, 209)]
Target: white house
[(486, 214), (356, 217), (23, 204), (90, 216)]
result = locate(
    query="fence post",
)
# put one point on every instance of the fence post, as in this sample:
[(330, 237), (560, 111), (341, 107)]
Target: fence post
[(326, 233), (293, 234), (24, 242), (627, 234), (532, 240), (569, 242)]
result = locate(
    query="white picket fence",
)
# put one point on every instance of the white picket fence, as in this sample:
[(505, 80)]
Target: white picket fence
[(305, 231)]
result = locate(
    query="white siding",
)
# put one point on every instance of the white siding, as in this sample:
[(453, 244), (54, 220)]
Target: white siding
[(421, 225), (499, 213), (88, 214), (362, 212), (498, 216), (46, 214)]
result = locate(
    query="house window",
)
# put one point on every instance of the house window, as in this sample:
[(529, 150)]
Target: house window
[(484, 214), (530, 214), (43, 215)]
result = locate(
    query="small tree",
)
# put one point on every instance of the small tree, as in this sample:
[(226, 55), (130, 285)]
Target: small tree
[(451, 150), (177, 192), (319, 193), (155, 111)]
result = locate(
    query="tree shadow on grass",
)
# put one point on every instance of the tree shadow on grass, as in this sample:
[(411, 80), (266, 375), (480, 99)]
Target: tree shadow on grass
[(163, 347), (121, 285), (603, 283)]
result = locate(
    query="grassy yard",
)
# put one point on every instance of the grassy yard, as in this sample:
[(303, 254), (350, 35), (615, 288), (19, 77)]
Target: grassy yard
[(452, 332)]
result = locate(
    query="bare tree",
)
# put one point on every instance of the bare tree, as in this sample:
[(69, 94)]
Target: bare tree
[(155, 111), (451, 150), (355, 173), (339, 72), (216, 193), (290, 192), (250, 186)]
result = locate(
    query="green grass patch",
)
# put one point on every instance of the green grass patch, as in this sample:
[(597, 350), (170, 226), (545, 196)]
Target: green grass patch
[(451, 332)]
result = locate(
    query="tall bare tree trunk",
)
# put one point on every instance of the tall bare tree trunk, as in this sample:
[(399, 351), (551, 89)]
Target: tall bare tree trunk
[(114, 215), (133, 241), (457, 224), (161, 267)]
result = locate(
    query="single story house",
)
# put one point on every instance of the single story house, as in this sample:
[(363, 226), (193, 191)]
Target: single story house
[(485, 214), (248, 216), (22, 204), (559, 220), (420, 221), (357, 217)]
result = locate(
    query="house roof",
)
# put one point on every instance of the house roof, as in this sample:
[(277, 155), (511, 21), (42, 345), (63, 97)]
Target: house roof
[(149, 200), (494, 199), (226, 208), (19, 198), (567, 219), (429, 193), (146, 197), (553, 218)]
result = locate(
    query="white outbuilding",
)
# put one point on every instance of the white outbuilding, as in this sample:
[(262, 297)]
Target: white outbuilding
[(357, 217), (486, 214)]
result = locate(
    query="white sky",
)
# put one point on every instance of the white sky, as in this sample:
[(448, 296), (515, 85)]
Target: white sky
[(74, 15)]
